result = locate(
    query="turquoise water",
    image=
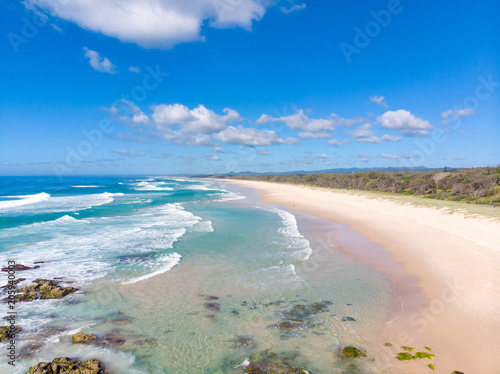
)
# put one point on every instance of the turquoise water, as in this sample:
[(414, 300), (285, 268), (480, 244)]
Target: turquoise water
[(155, 250)]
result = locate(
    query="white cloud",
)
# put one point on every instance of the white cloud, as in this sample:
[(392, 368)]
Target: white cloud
[(197, 127), (212, 157), (313, 135), (377, 139), (218, 150), (300, 121), (124, 152), (154, 23), (98, 63), (323, 156), (337, 142), (199, 120), (264, 152), (313, 128), (127, 112), (456, 114), (134, 69), (405, 123), (379, 100), (251, 136), (294, 7), (394, 156)]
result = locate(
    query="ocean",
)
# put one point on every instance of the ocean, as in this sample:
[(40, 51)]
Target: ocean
[(181, 275)]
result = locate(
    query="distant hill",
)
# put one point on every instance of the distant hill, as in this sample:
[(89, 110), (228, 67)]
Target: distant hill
[(330, 171)]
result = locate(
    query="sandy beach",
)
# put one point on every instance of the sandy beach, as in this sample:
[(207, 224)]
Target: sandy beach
[(446, 268)]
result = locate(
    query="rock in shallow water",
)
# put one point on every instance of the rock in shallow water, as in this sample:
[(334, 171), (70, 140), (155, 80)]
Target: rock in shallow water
[(214, 307), (17, 267), (6, 332), (121, 321), (352, 352), (82, 338), (65, 365), (43, 289), (272, 368)]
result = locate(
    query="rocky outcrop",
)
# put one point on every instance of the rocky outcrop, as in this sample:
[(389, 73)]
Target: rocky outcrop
[(18, 267), (352, 352), (6, 332), (68, 366), (12, 284), (82, 338), (43, 289)]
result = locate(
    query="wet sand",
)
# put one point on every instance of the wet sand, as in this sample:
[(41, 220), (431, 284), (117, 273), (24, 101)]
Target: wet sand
[(446, 269)]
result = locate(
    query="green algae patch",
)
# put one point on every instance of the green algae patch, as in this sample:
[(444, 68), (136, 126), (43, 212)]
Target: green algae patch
[(352, 352), (404, 356), (409, 349), (388, 344), (431, 366), (423, 355), (428, 348)]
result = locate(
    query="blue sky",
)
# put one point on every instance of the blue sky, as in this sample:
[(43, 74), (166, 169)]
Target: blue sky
[(213, 86)]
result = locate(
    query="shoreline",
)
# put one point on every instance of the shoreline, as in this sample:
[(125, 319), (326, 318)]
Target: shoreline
[(447, 276)]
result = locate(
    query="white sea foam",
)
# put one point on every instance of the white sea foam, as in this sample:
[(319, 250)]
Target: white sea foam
[(294, 238), (244, 364), (44, 203), (146, 186), (166, 263), (130, 243), (61, 220), (204, 226), (24, 200)]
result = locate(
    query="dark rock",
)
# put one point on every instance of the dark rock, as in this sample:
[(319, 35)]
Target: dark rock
[(43, 289), (113, 339), (291, 324), (272, 368), (208, 298), (352, 352), (65, 365), (121, 321), (8, 332), (82, 338), (305, 310), (235, 312), (242, 342), (39, 262), (210, 316), (16, 267), (12, 284), (214, 307), (29, 350), (348, 319), (142, 340)]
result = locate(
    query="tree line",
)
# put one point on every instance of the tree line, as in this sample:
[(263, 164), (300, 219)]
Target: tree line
[(475, 185)]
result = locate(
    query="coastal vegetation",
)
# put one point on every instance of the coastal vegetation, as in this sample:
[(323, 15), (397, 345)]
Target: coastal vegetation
[(476, 185)]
